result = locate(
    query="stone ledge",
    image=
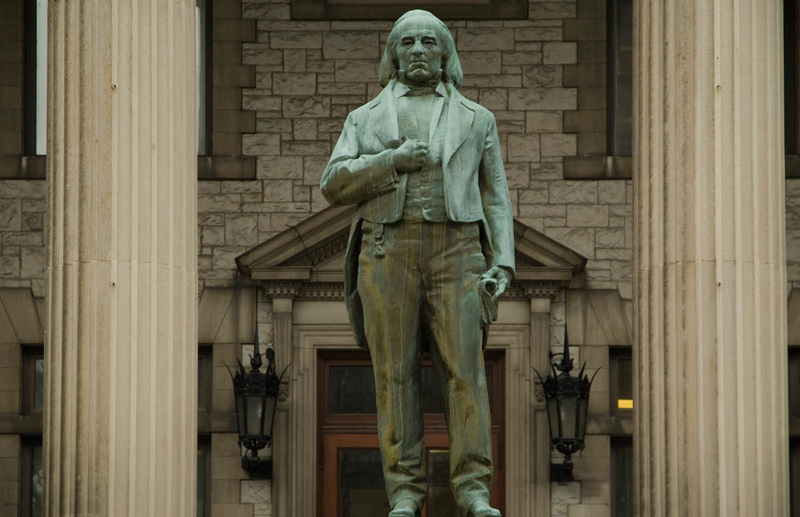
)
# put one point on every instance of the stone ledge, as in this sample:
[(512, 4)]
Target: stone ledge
[(226, 167), (23, 167), (598, 167)]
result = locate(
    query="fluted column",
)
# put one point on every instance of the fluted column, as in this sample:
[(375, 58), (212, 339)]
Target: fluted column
[(121, 346), (711, 428)]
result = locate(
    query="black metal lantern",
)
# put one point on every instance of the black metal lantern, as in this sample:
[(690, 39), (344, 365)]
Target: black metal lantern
[(567, 399), (256, 395)]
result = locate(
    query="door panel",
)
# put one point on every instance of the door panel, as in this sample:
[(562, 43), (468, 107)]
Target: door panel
[(351, 475)]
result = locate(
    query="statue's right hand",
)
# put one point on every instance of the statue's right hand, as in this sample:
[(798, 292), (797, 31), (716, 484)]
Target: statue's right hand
[(410, 156)]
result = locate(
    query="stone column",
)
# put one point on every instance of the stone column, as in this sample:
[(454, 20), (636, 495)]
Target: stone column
[(710, 298), (120, 427)]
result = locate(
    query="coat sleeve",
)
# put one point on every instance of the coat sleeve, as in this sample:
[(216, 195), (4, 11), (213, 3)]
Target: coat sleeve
[(496, 201), (351, 177)]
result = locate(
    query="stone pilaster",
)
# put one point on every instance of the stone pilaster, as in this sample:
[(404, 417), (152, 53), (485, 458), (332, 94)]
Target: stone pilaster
[(121, 343), (710, 295)]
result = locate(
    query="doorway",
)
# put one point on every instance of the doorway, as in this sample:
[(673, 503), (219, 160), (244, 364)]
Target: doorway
[(350, 476)]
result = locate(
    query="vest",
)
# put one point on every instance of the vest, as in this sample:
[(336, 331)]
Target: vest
[(425, 189)]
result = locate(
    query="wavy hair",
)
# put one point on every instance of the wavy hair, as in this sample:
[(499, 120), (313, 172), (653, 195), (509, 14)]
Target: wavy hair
[(451, 66)]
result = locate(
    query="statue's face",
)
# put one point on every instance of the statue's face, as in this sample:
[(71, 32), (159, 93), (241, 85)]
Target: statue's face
[(419, 50)]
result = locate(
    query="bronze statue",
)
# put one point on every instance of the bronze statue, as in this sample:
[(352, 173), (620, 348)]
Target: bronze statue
[(431, 249)]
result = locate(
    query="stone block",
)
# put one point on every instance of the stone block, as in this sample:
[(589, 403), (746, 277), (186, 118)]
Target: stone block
[(559, 53), (260, 54), (304, 148), (596, 445), (212, 236), (225, 491), (9, 446), (32, 262), (543, 122), (219, 203), (518, 175), (538, 34), (587, 215), (9, 402), (278, 190), (305, 129), (295, 39), (10, 215), (592, 144), (300, 107), (351, 45), (565, 493), (231, 509), (559, 145), (280, 167), (589, 510), (224, 257), (573, 192), (261, 144), (621, 270), (492, 81), (484, 39), (18, 189), (266, 11), (262, 510), (313, 167), (542, 99), (256, 491), (542, 76), (534, 196), (612, 192), (580, 240), (356, 70), (528, 57), (23, 239), (494, 98), (523, 148), (294, 83), (589, 121), (611, 238), (551, 10), (480, 62), (596, 492)]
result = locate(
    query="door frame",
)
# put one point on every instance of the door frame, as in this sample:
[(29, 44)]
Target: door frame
[(524, 337)]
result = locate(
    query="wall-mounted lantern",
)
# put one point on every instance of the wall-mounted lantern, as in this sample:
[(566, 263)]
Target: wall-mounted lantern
[(567, 399), (256, 395)]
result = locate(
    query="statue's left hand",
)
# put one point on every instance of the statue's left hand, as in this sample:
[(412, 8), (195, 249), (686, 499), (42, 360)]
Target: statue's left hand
[(502, 276)]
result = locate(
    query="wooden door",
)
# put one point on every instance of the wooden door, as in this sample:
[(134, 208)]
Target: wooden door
[(350, 479)]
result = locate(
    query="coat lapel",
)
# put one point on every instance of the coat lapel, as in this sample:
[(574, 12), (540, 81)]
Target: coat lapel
[(383, 119), (459, 123)]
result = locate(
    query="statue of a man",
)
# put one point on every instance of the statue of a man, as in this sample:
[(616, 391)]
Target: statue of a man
[(431, 249)]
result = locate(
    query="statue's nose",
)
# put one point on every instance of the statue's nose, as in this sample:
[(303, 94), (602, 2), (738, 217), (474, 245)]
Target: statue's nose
[(418, 48)]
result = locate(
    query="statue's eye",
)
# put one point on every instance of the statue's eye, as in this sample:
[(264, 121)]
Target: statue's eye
[(407, 42)]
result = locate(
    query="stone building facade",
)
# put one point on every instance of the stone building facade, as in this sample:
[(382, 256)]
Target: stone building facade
[(280, 89)]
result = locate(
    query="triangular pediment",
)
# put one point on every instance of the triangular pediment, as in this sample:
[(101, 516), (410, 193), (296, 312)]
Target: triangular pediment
[(313, 251)]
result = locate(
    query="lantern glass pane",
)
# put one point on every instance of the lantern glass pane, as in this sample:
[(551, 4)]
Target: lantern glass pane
[(269, 415), (569, 418), (552, 417), (240, 415), (255, 408), (583, 407)]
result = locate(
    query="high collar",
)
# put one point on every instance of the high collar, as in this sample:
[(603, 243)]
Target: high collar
[(436, 86)]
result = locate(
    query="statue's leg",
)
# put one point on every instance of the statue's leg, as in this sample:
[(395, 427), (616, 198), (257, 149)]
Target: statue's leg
[(391, 295), (452, 273)]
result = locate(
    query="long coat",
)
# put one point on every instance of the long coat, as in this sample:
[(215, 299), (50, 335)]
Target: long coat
[(360, 172)]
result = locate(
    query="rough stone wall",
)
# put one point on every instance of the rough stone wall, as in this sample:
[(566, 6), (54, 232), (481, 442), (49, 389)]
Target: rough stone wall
[(309, 75), (22, 205), (793, 234)]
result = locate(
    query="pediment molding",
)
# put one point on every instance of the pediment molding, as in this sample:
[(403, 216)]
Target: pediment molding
[(304, 261)]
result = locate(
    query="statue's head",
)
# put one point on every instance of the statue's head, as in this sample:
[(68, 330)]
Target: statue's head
[(405, 34)]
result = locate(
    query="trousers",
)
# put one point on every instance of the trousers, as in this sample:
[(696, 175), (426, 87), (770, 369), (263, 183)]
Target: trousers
[(419, 285)]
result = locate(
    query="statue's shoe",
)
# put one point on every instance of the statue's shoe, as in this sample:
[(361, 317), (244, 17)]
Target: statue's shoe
[(405, 508), (482, 509)]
